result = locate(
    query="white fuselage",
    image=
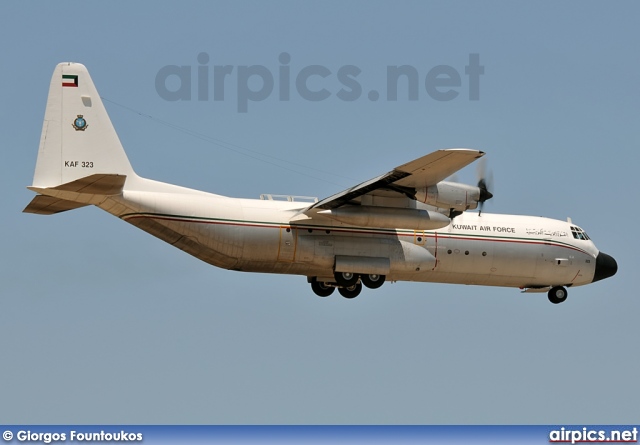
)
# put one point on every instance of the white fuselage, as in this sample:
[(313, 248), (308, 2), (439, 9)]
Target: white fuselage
[(268, 236)]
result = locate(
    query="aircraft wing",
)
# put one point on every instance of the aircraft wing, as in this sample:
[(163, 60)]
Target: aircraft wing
[(407, 178)]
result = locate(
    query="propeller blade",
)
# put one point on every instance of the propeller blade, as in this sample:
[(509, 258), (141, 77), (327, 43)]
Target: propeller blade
[(484, 191), (485, 182), (481, 169)]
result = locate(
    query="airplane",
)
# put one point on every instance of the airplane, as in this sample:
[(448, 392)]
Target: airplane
[(408, 224)]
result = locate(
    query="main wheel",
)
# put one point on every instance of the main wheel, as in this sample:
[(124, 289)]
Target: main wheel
[(557, 294), (346, 279), (372, 281), (351, 291), (322, 289)]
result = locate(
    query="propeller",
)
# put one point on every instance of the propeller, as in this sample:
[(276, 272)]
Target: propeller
[(485, 182)]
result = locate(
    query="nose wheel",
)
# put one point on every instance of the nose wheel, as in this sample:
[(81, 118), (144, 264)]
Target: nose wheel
[(557, 294)]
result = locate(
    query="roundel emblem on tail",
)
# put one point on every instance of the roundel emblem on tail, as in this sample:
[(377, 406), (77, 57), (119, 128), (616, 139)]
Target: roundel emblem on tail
[(79, 123)]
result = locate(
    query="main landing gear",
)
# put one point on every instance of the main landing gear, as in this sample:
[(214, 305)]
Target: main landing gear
[(321, 289), (349, 284), (557, 294), (372, 281), (351, 291)]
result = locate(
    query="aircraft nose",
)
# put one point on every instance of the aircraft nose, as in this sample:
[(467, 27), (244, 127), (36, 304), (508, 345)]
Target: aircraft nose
[(606, 267)]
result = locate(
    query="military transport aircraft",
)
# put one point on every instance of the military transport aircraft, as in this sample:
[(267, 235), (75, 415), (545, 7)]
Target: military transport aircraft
[(405, 225)]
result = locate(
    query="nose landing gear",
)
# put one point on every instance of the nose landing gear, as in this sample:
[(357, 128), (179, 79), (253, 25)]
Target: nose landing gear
[(557, 294)]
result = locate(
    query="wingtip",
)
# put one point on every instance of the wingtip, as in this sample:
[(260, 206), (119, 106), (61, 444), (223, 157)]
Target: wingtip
[(469, 151)]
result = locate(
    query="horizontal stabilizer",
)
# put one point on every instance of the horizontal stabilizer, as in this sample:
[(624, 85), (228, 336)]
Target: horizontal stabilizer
[(48, 205), (75, 194), (98, 184)]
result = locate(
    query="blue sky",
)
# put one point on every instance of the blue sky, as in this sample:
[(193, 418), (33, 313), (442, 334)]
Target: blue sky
[(101, 323)]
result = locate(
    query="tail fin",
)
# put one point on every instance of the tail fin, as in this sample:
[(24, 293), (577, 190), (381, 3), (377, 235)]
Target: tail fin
[(78, 139)]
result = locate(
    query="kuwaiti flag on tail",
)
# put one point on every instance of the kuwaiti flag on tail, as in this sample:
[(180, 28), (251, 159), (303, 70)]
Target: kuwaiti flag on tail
[(69, 80)]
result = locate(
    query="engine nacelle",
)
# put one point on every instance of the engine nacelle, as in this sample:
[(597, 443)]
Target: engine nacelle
[(450, 195)]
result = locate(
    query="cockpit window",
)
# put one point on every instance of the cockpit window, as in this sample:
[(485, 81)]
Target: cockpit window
[(578, 233)]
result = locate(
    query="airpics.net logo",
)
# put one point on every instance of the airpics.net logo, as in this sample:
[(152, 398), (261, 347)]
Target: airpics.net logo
[(314, 83)]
